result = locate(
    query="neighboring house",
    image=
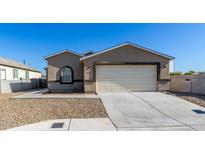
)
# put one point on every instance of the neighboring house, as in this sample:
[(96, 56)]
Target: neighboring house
[(15, 76), (12, 70), (125, 67)]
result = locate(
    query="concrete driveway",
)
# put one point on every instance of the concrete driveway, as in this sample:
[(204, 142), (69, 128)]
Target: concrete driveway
[(151, 111)]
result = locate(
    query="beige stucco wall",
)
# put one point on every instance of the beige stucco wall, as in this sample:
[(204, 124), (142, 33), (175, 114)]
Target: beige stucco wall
[(178, 84), (125, 54), (55, 63), (196, 84), (163, 85), (89, 86)]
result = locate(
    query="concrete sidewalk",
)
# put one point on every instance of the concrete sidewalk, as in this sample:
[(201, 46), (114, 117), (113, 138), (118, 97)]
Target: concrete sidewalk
[(90, 124)]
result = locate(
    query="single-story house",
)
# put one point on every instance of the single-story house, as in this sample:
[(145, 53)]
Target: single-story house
[(15, 76), (12, 70), (125, 67)]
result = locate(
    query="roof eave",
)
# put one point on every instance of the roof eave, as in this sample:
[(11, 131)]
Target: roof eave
[(64, 51), (28, 69)]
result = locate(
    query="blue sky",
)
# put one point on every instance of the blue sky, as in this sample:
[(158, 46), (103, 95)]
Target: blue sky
[(31, 42)]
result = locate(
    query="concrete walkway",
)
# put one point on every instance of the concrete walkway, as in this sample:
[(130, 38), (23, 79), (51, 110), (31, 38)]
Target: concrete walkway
[(90, 124), (151, 111), (41, 94)]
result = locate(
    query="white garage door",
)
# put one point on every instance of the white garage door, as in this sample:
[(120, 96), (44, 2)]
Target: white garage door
[(111, 78)]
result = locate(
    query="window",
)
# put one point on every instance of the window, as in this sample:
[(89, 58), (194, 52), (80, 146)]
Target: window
[(3, 74), (26, 74), (66, 75), (15, 73)]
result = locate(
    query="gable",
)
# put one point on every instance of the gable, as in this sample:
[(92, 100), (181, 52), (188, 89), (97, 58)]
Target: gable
[(127, 53), (62, 52), (63, 58), (128, 44), (55, 63)]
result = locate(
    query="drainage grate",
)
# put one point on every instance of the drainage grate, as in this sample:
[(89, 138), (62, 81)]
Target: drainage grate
[(57, 125), (199, 111)]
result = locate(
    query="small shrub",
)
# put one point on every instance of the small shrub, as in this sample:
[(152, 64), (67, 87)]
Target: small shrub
[(189, 73), (175, 73)]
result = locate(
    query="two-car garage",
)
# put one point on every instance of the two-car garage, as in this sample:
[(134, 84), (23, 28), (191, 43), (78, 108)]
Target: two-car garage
[(126, 67), (113, 78)]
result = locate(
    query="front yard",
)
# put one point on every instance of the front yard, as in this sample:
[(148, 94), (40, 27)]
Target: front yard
[(15, 112)]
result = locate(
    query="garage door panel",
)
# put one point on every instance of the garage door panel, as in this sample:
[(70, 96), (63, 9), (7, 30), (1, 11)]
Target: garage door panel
[(132, 82), (126, 78), (125, 74)]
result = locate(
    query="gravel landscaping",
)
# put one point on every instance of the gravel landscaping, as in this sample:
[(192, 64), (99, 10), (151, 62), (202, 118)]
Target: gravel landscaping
[(19, 112), (193, 98)]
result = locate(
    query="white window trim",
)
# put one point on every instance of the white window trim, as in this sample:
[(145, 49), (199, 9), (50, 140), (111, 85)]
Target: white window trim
[(1, 74)]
